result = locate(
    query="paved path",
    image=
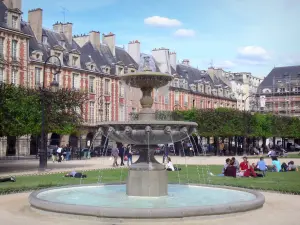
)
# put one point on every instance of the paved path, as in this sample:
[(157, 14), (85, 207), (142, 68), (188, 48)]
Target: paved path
[(23, 167), (279, 209)]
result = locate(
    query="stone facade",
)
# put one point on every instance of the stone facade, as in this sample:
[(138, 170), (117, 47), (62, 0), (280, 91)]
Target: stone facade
[(92, 64)]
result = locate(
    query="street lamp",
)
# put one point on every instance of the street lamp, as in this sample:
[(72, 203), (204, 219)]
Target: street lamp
[(56, 68), (100, 103)]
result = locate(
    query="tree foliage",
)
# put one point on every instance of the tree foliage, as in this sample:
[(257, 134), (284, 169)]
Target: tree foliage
[(21, 110), (224, 122)]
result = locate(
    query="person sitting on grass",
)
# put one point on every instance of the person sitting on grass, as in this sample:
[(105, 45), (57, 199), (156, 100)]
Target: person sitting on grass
[(230, 170), (227, 162), (246, 170), (75, 175), (276, 166), (170, 166), (236, 163), (289, 167), (8, 179), (261, 166)]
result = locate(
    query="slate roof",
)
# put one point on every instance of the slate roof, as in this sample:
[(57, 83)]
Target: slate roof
[(193, 75), (3, 10), (88, 52), (280, 73)]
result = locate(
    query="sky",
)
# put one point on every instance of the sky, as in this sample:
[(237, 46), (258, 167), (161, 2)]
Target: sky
[(237, 35)]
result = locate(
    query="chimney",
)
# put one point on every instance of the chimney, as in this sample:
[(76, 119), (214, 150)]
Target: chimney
[(66, 29), (110, 40), (35, 20), (186, 62), (58, 27), (95, 39), (134, 50), (173, 59), (13, 4)]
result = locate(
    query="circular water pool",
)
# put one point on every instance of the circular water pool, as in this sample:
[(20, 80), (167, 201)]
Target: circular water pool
[(112, 201)]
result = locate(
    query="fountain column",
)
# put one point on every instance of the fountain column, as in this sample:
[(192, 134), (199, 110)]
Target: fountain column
[(147, 177)]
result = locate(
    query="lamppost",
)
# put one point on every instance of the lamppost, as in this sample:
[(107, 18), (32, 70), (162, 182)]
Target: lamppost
[(54, 87), (245, 125), (100, 103)]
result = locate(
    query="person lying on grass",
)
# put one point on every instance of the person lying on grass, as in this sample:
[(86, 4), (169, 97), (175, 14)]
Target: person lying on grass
[(8, 179), (75, 175)]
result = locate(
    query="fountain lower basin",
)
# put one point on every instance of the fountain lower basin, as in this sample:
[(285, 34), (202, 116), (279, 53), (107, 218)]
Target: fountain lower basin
[(112, 201)]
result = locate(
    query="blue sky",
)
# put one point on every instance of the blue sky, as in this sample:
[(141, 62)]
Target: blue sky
[(238, 35)]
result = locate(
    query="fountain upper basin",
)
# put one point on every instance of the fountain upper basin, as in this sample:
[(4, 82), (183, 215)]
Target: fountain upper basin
[(151, 132)]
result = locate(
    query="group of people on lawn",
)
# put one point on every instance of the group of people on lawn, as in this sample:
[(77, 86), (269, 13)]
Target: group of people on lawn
[(232, 168)]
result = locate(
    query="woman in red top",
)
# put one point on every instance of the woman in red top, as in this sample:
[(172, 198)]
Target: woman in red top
[(247, 169)]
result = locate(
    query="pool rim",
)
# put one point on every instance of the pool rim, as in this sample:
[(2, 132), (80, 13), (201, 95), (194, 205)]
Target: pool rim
[(146, 213)]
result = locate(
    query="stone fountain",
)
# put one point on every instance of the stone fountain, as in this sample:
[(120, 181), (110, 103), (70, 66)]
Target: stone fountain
[(147, 193), (147, 177)]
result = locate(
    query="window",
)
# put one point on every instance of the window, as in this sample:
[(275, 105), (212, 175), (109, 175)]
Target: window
[(122, 113), (55, 60), (121, 89), (155, 95), (1, 46), (176, 83), (92, 112), (1, 75), (13, 76), (106, 87), (91, 84), (37, 75), (14, 22), (201, 104), (176, 98), (45, 39), (74, 61), (120, 70), (186, 99), (167, 99), (75, 81), (14, 50), (106, 111), (134, 110)]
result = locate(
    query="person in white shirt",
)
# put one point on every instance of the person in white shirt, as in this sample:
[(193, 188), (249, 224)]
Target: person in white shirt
[(59, 150), (170, 166)]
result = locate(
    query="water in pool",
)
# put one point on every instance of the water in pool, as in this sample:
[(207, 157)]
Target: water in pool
[(115, 196)]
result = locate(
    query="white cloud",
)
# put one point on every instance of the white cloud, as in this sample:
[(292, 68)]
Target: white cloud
[(253, 55), (185, 33), (159, 21)]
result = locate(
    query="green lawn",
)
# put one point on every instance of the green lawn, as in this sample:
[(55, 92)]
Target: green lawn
[(283, 182), (289, 156)]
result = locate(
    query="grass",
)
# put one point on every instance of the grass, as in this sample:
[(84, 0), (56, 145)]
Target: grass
[(289, 156), (288, 182)]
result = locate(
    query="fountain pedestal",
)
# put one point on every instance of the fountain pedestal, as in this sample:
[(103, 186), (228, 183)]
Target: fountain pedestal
[(147, 177)]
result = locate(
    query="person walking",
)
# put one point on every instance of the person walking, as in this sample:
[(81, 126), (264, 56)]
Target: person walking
[(121, 154), (59, 153), (128, 153), (54, 153), (115, 154)]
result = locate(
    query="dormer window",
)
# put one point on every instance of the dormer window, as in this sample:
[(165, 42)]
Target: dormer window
[(120, 70), (14, 22), (92, 67), (62, 43), (107, 70), (45, 40), (74, 60)]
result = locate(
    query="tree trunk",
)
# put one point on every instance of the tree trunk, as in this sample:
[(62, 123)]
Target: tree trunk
[(236, 145)]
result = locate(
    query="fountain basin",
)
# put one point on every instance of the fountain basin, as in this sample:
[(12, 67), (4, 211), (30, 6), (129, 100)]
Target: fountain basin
[(147, 132), (111, 201)]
